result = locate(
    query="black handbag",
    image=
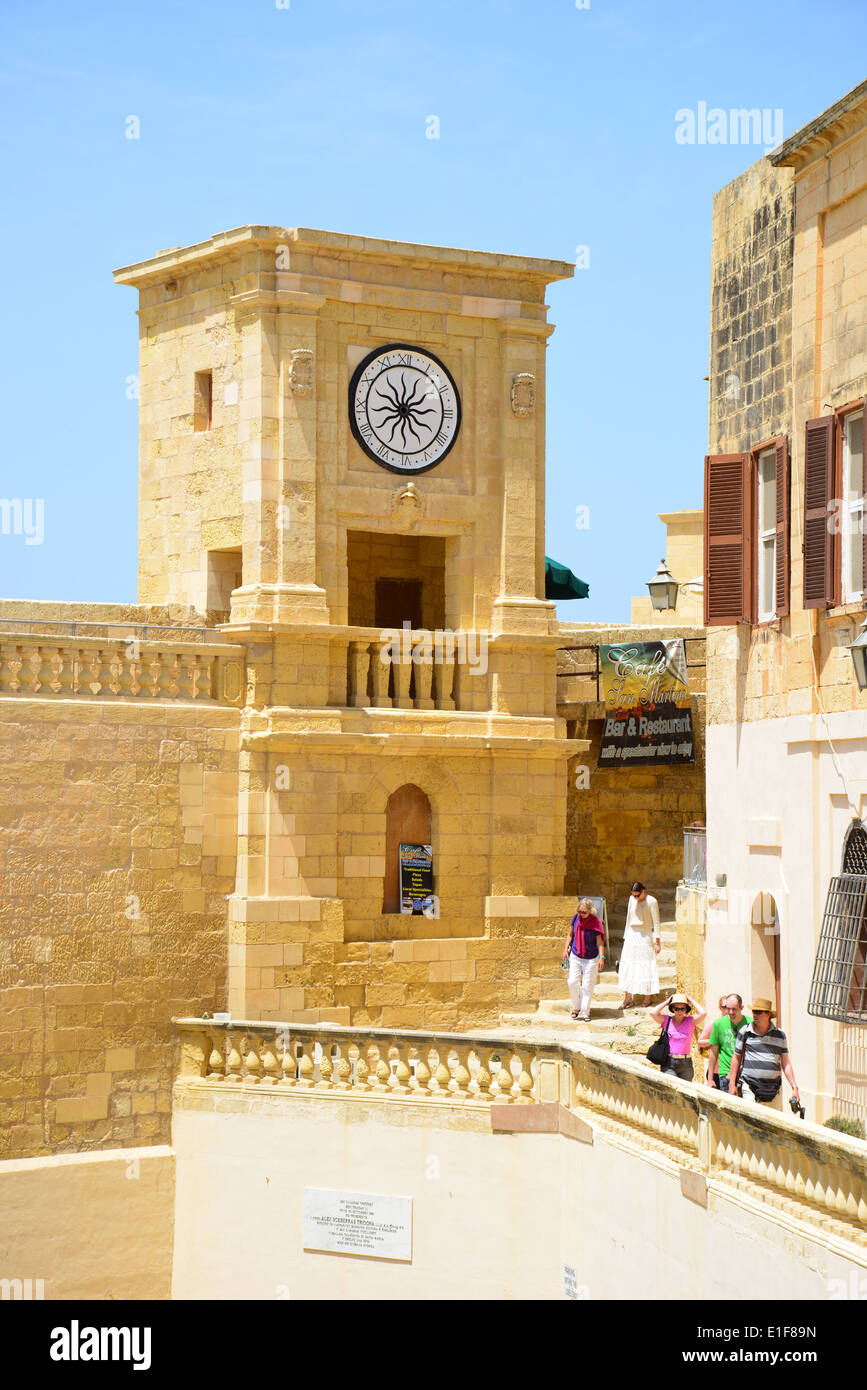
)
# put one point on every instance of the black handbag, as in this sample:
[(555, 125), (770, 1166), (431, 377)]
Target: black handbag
[(659, 1051)]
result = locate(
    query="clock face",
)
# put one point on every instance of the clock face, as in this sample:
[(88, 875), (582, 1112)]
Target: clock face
[(404, 408)]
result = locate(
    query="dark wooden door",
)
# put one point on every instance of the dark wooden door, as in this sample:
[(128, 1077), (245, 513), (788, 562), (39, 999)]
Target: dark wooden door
[(398, 601)]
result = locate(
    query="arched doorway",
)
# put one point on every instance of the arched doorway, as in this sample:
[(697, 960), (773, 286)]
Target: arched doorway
[(765, 951), (407, 821)]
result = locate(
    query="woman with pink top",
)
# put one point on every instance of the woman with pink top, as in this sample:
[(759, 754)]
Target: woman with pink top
[(680, 1024)]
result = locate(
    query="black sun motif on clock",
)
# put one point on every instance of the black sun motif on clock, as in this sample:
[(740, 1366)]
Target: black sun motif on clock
[(404, 408)]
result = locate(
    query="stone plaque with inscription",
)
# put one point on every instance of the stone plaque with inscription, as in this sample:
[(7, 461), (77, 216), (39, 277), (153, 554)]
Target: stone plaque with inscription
[(358, 1223)]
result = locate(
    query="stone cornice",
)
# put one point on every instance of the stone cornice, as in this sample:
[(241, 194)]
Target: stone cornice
[(821, 135), (231, 245)]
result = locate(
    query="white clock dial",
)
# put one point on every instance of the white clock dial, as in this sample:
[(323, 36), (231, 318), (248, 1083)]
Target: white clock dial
[(404, 408)]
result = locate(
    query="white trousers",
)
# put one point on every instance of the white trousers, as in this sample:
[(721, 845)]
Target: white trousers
[(582, 982)]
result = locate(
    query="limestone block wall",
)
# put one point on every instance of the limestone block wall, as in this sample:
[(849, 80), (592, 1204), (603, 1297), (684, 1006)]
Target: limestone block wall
[(628, 822), (118, 829)]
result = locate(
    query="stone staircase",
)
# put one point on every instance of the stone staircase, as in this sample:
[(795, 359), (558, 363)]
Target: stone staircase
[(630, 1031)]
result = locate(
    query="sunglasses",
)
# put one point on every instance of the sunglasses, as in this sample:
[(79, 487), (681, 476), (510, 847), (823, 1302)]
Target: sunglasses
[(678, 1008), (761, 1013)]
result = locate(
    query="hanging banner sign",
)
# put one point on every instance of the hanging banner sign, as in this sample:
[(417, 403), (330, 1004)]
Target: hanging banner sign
[(416, 880), (648, 717)]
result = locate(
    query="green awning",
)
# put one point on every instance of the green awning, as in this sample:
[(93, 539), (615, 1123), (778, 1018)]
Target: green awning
[(560, 582)]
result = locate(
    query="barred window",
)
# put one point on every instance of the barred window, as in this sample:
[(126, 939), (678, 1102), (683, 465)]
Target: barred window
[(839, 987)]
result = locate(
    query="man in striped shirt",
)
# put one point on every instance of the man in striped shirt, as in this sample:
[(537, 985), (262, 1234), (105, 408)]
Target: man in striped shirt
[(761, 1057)]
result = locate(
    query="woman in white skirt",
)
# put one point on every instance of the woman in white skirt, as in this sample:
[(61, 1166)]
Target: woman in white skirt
[(637, 972)]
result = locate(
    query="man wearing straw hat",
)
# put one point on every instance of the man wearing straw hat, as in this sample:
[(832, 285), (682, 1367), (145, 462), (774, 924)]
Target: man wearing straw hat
[(761, 1057)]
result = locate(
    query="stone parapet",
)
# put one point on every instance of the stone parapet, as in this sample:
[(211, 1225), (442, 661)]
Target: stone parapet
[(802, 1173)]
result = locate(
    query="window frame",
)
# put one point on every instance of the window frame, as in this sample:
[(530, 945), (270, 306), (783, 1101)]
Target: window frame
[(845, 416), (768, 446), (763, 535)]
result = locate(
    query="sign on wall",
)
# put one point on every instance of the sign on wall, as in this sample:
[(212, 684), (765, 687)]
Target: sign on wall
[(416, 881), (358, 1223), (648, 716)]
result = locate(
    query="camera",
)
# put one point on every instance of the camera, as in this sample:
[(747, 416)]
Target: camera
[(796, 1107)]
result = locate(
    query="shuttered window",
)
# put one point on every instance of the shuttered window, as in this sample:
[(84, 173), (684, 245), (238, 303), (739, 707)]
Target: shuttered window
[(820, 548), (728, 539), (783, 528), (853, 534), (839, 987)]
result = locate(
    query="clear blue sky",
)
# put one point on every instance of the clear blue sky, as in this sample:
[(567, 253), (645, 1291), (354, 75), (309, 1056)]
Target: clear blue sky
[(556, 131)]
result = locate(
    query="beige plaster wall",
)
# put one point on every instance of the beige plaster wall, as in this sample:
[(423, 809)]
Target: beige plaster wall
[(495, 1216), (90, 1226)]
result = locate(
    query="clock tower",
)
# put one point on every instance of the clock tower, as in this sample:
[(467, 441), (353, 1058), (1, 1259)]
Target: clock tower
[(342, 464)]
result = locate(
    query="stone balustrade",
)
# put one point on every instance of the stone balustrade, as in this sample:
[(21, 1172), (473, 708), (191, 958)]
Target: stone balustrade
[(803, 1170), (312, 1057), (88, 668), (414, 671)]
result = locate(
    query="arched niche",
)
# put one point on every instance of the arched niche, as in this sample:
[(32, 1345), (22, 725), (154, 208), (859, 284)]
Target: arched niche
[(407, 821), (765, 951)]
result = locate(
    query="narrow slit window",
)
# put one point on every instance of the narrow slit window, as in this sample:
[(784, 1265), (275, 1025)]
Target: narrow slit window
[(767, 539), (853, 507), (203, 402)]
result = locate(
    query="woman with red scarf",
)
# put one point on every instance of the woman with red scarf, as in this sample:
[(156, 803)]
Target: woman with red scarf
[(585, 952)]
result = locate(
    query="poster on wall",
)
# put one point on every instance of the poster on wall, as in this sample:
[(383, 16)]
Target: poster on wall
[(648, 715), (416, 881)]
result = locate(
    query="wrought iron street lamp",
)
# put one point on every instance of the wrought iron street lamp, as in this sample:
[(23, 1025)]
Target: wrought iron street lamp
[(663, 588), (859, 657)]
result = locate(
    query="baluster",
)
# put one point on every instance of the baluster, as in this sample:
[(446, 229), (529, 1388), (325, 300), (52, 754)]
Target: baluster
[(505, 1080), (402, 1071), (34, 664), (444, 660), (216, 1061), (174, 674), (288, 1061), (462, 1072), (305, 1065), (374, 1076), (94, 666), (155, 667), (380, 665), (361, 1068), (484, 1080), (342, 1067), (252, 1062), (525, 1078), (57, 665), (15, 664), (233, 1061), (423, 667), (423, 1072), (359, 669), (270, 1065), (326, 1061), (402, 672), (135, 670), (115, 670), (443, 1075)]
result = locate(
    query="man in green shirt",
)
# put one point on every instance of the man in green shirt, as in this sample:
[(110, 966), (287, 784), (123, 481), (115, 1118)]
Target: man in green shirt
[(722, 1042)]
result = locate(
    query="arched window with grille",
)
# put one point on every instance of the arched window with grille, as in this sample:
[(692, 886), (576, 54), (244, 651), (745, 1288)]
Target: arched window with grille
[(839, 987)]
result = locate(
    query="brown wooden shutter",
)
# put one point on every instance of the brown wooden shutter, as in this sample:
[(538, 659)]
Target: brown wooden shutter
[(820, 550), (728, 539), (781, 585)]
